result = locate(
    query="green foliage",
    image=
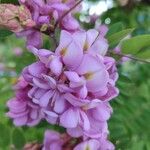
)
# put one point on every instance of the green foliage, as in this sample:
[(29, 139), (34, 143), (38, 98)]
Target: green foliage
[(138, 46), (4, 33), (115, 38), (18, 139), (129, 125), (9, 1), (144, 54), (114, 28), (4, 136), (135, 44)]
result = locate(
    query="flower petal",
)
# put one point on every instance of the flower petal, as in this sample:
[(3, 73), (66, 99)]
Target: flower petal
[(56, 66), (70, 55), (72, 76), (46, 98), (70, 118)]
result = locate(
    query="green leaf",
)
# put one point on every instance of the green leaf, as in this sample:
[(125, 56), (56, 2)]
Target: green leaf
[(144, 54), (135, 44), (114, 28), (114, 39), (4, 33), (9, 1), (4, 136), (125, 78), (18, 139)]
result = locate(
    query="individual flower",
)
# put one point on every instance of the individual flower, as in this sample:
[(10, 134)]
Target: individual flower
[(52, 141), (18, 51), (21, 109), (95, 144), (46, 14)]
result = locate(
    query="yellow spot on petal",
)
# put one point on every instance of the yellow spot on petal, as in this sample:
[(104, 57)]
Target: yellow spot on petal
[(87, 148), (64, 1), (86, 46), (88, 75), (44, 27), (63, 51), (85, 108)]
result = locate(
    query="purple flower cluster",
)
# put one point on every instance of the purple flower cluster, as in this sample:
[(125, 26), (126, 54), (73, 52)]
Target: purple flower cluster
[(45, 13), (54, 140), (70, 87)]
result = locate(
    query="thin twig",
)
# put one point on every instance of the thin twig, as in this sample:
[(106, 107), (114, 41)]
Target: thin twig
[(96, 38), (66, 13), (130, 57), (52, 35)]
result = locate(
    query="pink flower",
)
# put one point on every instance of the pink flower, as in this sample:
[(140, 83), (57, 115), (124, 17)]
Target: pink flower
[(71, 87), (90, 144), (46, 14), (18, 51), (21, 109), (52, 141), (95, 144)]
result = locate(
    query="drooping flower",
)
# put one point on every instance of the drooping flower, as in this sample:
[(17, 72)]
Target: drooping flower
[(70, 87)]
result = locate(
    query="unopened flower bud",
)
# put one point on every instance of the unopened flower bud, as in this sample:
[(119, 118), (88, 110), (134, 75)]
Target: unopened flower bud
[(32, 146), (15, 18)]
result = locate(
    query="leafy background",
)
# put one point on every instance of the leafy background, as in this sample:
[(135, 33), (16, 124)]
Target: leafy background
[(130, 123)]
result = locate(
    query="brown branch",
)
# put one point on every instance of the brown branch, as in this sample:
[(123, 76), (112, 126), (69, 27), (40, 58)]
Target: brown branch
[(96, 38), (130, 57)]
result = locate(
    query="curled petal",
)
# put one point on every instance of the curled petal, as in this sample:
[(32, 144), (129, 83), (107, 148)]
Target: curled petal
[(70, 118), (72, 76), (84, 121), (36, 69), (70, 55), (35, 39), (56, 66), (91, 36), (91, 145), (46, 98), (89, 64), (97, 81), (75, 101), (100, 47)]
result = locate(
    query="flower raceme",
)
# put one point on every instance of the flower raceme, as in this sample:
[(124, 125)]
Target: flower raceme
[(70, 87)]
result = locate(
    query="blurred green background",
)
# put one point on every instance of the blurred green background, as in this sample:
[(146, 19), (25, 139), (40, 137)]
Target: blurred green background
[(130, 123)]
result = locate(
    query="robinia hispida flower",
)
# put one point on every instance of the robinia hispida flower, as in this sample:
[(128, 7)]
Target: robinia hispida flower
[(70, 87)]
